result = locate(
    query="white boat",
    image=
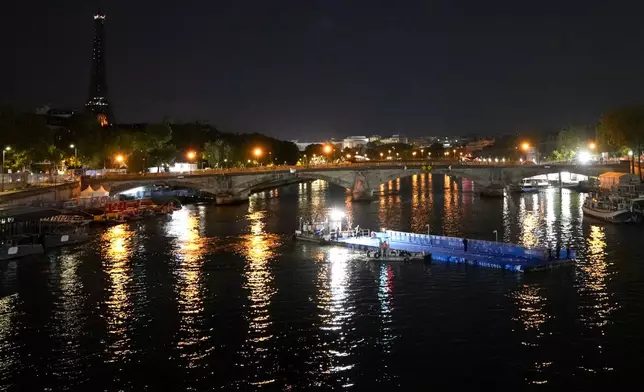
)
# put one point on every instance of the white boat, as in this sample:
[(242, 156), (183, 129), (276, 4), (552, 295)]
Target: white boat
[(529, 185), (543, 183), (623, 211)]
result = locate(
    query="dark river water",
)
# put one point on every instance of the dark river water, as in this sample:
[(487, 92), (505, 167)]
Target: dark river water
[(221, 298)]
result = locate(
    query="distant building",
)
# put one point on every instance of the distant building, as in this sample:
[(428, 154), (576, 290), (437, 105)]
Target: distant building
[(393, 139), (303, 145), (354, 142), (478, 145), (97, 103)]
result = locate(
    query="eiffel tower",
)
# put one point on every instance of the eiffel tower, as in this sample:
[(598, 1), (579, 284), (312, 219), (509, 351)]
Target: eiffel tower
[(98, 104)]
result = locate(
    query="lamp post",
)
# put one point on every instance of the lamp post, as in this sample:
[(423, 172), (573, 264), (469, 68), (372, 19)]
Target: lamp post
[(75, 151), (190, 155), (258, 153), (496, 235), (4, 152)]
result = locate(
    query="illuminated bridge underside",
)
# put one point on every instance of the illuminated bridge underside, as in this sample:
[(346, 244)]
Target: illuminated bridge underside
[(513, 175)]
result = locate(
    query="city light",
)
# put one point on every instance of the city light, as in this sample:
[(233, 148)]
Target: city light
[(8, 148), (583, 157), (327, 149), (413, 153), (71, 146), (630, 153), (592, 145), (257, 152), (119, 158), (381, 154), (191, 155), (336, 215), (348, 156), (525, 146)]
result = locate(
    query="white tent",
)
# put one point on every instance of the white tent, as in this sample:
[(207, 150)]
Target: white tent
[(87, 192), (90, 193), (101, 192)]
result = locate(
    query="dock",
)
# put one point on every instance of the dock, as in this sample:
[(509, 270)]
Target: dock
[(486, 254)]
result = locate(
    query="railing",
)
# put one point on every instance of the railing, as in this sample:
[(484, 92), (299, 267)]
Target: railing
[(443, 163)]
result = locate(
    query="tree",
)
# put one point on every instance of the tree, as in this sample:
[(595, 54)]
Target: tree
[(623, 128), (213, 152), (569, 140)]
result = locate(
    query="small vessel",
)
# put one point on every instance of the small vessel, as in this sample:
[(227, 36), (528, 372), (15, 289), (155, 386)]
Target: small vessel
[(64, 234), (620, 199), (19, 246), (529, 185), (610, 211)]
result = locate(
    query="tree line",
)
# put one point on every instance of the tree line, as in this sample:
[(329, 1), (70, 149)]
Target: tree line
[(31, 142)]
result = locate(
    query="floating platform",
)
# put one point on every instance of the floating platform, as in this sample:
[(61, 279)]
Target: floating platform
[(487, 254)]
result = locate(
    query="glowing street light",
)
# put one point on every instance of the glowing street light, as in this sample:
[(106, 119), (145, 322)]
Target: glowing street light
[(525, 146), (4, 152), (381, 154), (592, 145), (348, 156), (191, 155), (119, 158), (630, 153), (413, 153), (328, 149)]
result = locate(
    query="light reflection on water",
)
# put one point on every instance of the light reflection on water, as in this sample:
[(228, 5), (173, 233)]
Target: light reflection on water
[(258, 249), (322, 316), (116, 264), (188, 251)]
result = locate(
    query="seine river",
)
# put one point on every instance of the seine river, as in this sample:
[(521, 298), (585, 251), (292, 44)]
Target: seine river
[(222, 298)]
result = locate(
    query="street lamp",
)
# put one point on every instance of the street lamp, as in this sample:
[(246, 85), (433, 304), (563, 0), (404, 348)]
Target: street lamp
[(190, 155), (4, 151), (75, 151), (592, 145), (525, 146), (381, 154)]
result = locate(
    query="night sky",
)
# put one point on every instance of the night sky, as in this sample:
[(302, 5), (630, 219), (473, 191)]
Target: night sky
[(311, 69)]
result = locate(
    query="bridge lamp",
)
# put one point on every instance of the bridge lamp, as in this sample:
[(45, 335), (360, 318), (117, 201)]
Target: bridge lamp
[(583, 157)]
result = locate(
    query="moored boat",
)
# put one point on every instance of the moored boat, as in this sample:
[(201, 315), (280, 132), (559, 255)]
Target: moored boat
[(15, 247)]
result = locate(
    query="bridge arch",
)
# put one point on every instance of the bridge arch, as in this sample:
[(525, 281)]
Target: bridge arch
[(119, 187)]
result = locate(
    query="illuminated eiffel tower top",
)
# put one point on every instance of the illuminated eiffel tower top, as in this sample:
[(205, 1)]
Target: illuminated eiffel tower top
[(97, 102)]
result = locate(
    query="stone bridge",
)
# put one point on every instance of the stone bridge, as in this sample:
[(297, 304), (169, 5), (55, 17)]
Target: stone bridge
[(231, 186), (513, 175), (236, 186)]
